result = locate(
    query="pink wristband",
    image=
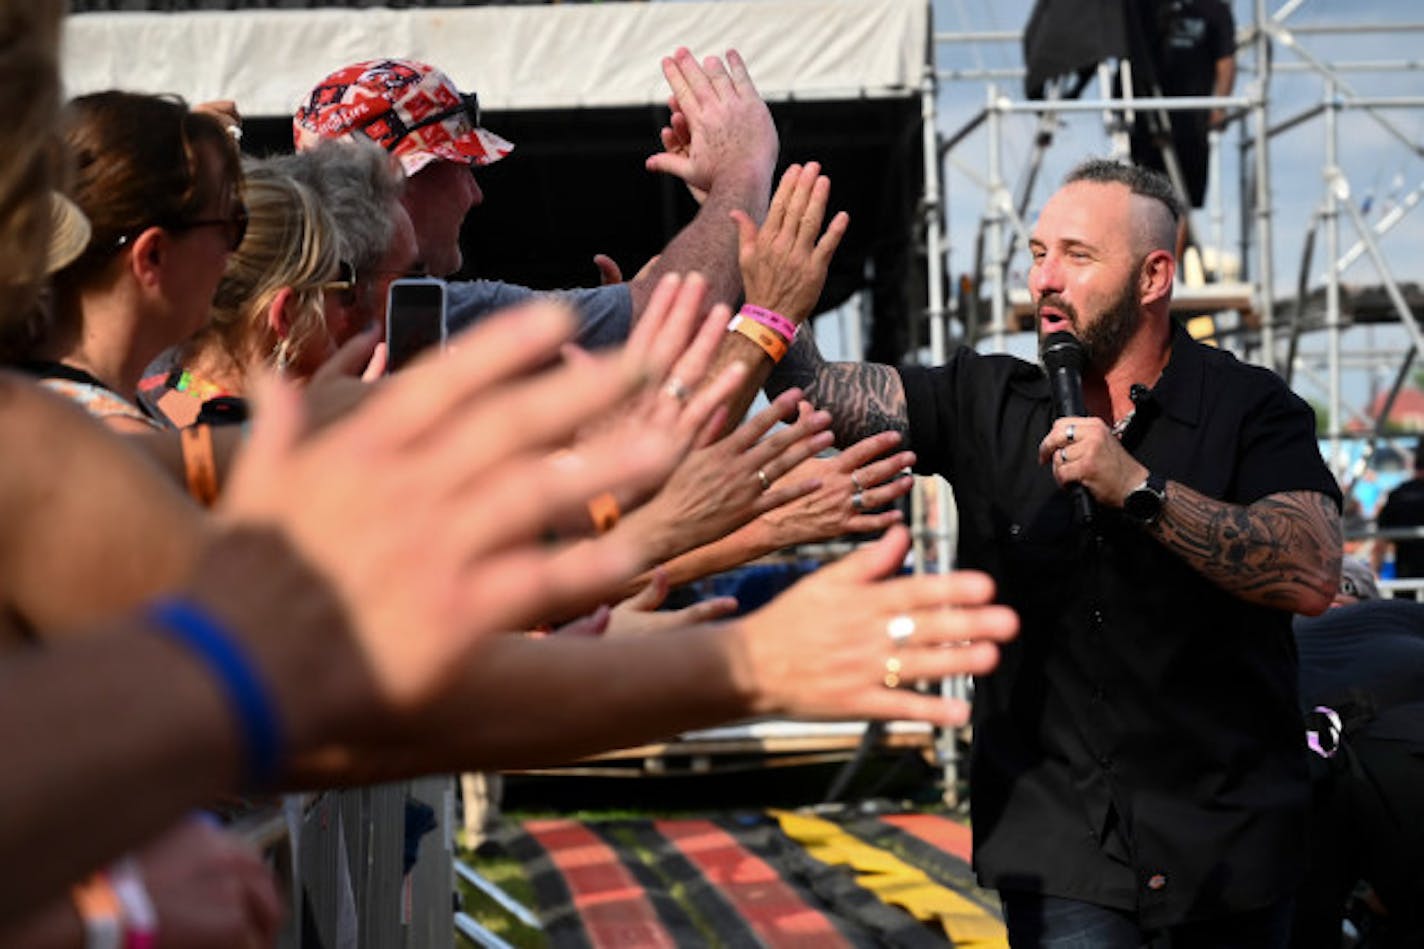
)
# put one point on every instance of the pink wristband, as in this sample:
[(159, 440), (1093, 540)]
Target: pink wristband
[(139, 917), (772, 320)]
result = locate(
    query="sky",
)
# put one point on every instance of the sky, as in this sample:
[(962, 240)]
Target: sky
[(1379, 168)]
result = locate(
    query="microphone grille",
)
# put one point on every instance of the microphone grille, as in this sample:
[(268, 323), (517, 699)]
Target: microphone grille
[(1062, 350)]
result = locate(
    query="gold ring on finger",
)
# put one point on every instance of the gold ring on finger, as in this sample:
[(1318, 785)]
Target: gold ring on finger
[(892, 672), (765, 481)]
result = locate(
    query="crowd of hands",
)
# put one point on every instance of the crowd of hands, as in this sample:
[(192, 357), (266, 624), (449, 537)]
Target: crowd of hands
[(381, 550)]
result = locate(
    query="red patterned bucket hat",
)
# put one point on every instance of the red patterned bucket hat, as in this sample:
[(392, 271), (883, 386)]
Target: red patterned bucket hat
[(411, 109)]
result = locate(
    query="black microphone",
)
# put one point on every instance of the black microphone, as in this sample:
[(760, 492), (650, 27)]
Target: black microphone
[(1063, 357)]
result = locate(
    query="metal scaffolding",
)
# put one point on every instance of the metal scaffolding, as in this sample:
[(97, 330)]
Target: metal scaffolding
[(1248, 313)]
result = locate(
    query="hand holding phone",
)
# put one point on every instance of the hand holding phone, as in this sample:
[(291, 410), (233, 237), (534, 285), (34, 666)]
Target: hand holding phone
[(415, 319)]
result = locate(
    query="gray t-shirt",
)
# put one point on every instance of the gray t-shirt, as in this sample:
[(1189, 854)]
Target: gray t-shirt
[(605, 313)]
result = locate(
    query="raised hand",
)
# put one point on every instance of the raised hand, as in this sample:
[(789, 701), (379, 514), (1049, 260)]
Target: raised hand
[(853, 484), (824, 647), (785, 260), (639, 614), (718, 488), (421, 513), (720, 125)]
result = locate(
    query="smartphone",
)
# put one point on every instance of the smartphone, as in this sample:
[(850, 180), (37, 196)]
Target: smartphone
[(415, 319)]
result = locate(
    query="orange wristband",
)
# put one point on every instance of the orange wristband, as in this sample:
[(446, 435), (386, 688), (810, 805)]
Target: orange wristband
[(99, 908), (769, 341), (604, 511), (199, 469)]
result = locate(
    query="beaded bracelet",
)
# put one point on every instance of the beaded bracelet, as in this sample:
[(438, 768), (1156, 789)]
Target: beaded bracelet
[(192, 626)]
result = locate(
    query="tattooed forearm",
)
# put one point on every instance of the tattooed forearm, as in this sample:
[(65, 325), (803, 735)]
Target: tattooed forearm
[(800, 367), (1282, 551), (863, 398)]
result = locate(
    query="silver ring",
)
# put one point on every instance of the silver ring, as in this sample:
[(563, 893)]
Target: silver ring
[(900, 628), (1072, 432), (855, 482), (857, 501), (891, 679), (765, 481), (1063, 456), (676, 388)]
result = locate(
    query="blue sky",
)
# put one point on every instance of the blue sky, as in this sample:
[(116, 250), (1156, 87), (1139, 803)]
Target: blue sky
[(1377, 165)]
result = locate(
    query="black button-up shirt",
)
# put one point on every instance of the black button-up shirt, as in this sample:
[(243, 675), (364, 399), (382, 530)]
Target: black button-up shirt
[(1139, 746)]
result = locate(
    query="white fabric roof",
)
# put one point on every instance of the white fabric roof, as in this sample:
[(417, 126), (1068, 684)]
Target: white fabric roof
[(518, 57)]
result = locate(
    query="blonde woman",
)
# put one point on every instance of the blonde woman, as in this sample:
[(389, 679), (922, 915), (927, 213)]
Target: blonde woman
[(269, 308)]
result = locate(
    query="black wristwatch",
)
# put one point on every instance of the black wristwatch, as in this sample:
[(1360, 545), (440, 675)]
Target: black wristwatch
[(1143, 503)]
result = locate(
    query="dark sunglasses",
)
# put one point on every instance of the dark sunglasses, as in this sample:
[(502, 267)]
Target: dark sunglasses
[(235, 226)]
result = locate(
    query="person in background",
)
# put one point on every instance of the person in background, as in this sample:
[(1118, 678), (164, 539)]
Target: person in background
[(161, 188), (1362, 696), (1403, 508), (269, 310), (721, 142)]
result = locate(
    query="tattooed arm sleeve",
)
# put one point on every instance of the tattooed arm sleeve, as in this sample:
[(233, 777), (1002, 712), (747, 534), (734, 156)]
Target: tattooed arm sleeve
[(863, 398), (1282, 551)]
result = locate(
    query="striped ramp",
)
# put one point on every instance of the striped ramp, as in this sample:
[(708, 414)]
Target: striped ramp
[(791, 882)]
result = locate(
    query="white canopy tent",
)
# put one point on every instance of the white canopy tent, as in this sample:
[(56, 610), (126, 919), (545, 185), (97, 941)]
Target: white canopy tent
[(516, 57)]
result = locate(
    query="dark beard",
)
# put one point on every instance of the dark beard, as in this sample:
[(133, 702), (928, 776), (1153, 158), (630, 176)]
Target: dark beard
[(1104, 341), (1106, 338)]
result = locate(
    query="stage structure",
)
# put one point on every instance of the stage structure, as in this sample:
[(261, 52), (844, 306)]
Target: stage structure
[(857, 85)]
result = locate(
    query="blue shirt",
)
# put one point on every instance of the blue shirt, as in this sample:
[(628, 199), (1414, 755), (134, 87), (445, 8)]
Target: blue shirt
[(605, 313)]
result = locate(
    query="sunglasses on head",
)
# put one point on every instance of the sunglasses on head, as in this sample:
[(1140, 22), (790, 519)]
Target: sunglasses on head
[(469, 106)]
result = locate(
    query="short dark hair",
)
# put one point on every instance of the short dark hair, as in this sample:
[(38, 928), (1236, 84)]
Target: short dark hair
[(1144, 181)]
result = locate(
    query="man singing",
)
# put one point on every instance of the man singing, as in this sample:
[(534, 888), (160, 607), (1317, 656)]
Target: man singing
[(1139, 768)]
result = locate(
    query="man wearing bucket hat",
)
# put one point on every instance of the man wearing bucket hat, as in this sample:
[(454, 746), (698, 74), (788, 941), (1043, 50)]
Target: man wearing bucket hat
[(721, 142)]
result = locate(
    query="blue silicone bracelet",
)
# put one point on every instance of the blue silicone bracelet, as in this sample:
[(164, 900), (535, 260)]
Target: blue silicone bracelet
[(205, 636)]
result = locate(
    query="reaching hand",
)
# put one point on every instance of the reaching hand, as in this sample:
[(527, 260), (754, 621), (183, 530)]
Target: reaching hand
[(421, 513), (639, 614), (677, 141), (852, 484), (724, 127), (784, 262), (209, 889), (823, 648), (674, 343), (718, 488)]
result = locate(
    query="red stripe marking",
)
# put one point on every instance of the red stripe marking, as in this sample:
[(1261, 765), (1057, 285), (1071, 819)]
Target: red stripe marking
[(773, 910), (609, 901), (940, 832)]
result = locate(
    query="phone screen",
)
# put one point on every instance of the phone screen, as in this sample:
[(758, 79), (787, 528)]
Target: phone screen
[(415, 320)]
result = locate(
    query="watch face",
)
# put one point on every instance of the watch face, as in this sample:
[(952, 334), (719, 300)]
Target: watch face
[(1143, 504)]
